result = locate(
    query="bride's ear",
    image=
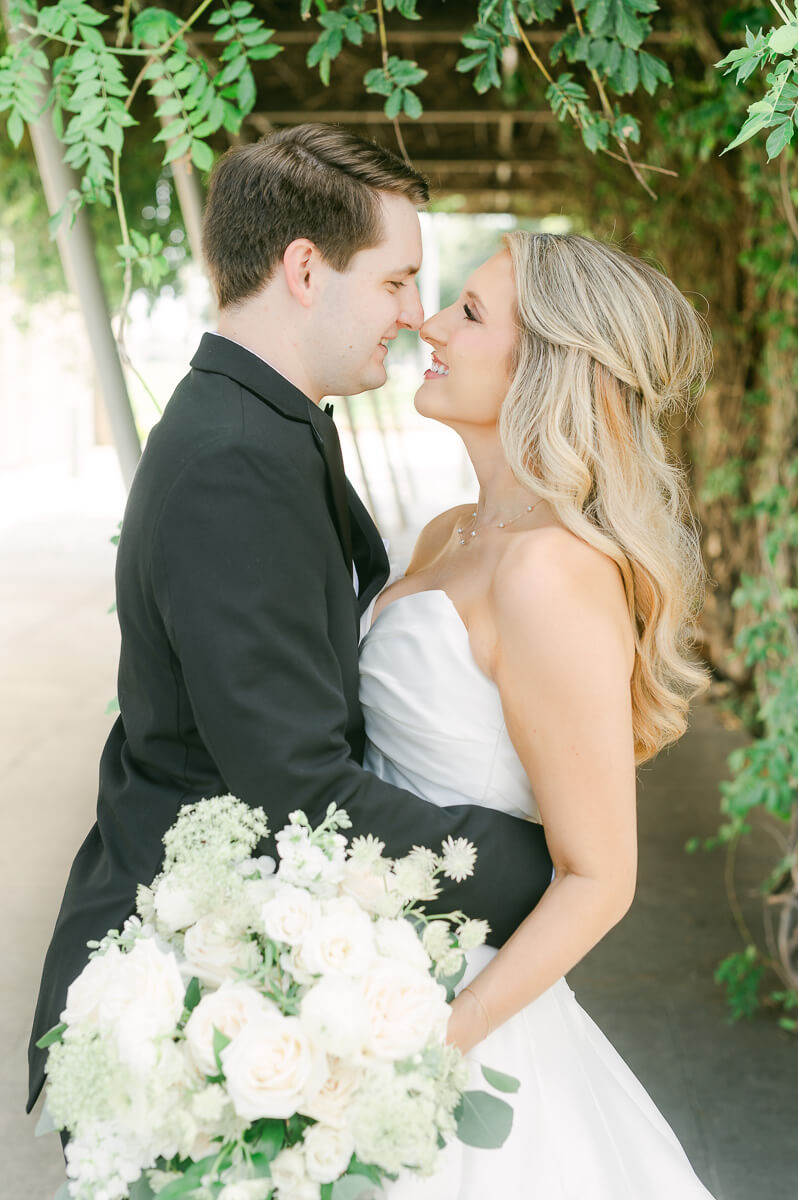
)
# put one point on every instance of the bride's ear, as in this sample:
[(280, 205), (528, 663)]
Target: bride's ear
[(301, 263)]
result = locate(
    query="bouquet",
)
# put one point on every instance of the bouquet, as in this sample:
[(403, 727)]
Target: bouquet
[(264, 1032)]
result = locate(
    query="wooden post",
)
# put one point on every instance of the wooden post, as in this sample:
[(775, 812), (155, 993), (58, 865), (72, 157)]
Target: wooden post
[(76, 247)]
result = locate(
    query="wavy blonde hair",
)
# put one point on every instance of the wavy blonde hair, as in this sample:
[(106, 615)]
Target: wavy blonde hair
[(607, 348)]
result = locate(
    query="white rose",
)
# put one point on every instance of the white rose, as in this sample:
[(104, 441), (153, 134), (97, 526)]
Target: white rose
[(341, 942), (331, 1102), (290, 1177), (334, 1014), (85, 992), (399, 941), (290, 914), (142, 999), (269, 1066), (246, 1189), (369, 889), (406, 1008), (214, 951), (173, 906), (228, 1010), (327, 1152)]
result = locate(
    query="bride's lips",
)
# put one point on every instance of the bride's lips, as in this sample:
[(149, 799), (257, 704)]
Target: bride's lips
[(430, 373)]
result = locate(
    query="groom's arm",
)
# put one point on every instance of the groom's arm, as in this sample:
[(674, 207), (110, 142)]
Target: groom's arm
[(240, 572)]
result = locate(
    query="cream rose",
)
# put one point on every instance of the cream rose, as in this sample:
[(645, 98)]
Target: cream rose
[(85, 992), (141, 1000), (228, 1010), (334, 1014), (341, 942), (327, 1152), (290, 914), (290, 1176), (246, 1189), (406, 1008), (173, 906), (214, 951), (331, 1102), (270, 1065), (398, 940)]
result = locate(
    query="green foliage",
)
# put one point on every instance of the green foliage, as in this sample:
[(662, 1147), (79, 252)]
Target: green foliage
[(741, 975), (777, 53)]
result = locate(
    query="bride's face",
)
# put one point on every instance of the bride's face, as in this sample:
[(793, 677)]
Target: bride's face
[(472, 343)]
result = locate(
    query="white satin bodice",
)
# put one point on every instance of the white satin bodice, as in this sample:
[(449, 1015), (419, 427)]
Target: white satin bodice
[(434, 720)]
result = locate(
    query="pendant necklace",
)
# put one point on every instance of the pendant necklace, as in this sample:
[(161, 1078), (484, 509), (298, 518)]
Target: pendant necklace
[(465, 534)]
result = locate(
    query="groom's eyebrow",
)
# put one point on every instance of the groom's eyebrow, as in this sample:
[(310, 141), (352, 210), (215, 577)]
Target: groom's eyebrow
[(406, 270)]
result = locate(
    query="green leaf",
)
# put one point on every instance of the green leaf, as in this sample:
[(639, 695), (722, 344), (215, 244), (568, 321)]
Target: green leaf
[(264, 52), (779, 138), (245, 93), (201, 155), (412, 105), (231, 72), (483, 1120), (393, 105), (220, 1040), (53, 1035), (16, 128), (784, 40), (500, 1081), (269, 1137), (178, 148)]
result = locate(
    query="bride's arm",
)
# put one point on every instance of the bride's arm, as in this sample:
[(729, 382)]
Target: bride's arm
[(562, 664)]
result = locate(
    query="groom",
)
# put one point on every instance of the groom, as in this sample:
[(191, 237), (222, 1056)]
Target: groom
[(245, 557)]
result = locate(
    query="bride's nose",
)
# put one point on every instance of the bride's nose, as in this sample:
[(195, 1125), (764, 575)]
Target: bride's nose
[(432, 331)]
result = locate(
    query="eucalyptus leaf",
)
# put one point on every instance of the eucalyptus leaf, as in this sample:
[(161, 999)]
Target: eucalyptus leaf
[(500, 1081), (483, 1120)]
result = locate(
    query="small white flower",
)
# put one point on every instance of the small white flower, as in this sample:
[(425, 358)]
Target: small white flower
[(450, 964), (472, 934), (366, 854), (437, 939), (459, 856), (327, 1152), (246, 1189), (289, 1176), (174, 907)]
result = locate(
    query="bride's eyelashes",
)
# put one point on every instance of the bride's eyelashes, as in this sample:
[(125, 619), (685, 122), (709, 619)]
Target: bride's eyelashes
[(470, 316)]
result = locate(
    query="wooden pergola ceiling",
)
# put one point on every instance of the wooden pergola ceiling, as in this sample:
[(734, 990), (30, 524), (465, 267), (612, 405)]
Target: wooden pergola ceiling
[(494, 152)]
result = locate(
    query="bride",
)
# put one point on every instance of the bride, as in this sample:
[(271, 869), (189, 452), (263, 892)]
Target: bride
[(535, 650)]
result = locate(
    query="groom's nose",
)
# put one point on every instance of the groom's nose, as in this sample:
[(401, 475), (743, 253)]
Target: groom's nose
[(412, 314)]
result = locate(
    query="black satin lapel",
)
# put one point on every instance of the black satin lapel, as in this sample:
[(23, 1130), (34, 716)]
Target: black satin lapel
[(371, 558), (326, 436)]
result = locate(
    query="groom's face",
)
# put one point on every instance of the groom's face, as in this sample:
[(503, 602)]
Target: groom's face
[(361, 310)]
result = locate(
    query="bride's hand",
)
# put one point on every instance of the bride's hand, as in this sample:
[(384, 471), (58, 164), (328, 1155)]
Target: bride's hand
[(469, 1023)]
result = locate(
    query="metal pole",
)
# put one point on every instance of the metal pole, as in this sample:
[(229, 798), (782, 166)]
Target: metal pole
[(76, 248)]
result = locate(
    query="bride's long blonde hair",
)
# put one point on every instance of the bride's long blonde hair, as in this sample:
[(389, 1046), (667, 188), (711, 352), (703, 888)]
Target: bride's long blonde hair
[(607, 348)]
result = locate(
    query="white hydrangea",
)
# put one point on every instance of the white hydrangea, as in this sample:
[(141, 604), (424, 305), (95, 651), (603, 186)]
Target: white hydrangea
[(392, 1127)]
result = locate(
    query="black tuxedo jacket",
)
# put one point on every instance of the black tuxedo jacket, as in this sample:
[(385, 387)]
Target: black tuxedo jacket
[(238, 667)]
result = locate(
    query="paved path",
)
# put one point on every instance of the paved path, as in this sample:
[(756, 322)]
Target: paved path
[(728, 1091)]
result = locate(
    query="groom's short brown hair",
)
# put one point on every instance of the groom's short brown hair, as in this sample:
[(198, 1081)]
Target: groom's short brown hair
[(320, 182)]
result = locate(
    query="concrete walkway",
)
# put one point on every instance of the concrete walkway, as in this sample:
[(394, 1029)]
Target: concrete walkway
[(728, 1091)]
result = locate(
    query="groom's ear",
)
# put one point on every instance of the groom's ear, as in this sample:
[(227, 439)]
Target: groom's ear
[(301, 262)]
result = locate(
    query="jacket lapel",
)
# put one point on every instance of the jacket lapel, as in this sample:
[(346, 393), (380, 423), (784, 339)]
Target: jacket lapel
[(326, 436), (370, 555)]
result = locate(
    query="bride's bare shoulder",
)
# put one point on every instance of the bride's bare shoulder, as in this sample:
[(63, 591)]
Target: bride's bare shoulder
[(435, 536), (543, 567)]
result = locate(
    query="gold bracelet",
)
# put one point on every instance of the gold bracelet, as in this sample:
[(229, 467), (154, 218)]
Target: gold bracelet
[(482, 1006)]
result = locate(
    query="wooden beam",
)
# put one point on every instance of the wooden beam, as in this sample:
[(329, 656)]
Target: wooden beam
[(353, 116)]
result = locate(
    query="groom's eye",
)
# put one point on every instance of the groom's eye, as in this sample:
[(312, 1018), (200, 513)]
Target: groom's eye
[(469, 313), (396, 283)]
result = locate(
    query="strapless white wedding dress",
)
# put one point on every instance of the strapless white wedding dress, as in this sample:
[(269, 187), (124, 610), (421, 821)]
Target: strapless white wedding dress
[(584, 1128)]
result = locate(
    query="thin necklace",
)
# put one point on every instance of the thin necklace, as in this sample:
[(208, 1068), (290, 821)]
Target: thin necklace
[(465, 533)]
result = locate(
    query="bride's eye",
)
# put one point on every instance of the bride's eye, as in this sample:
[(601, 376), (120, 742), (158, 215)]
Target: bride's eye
[(469, 313)]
